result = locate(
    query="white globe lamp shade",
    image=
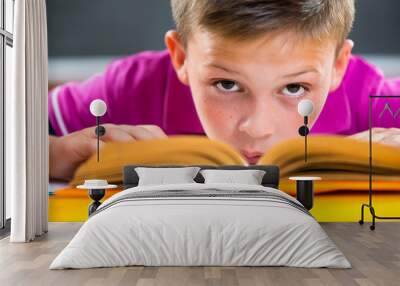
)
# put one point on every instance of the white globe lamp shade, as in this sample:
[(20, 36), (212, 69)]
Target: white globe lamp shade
[(98, 107), (305, 107)]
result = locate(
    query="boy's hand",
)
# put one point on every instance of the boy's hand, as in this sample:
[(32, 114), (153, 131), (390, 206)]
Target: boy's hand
[(68, 152), (390, 136)]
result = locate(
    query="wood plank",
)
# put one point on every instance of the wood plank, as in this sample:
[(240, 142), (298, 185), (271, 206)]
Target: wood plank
[(375, 257)]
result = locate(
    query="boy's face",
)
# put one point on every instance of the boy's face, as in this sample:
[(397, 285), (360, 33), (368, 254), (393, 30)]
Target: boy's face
[(246, 92)]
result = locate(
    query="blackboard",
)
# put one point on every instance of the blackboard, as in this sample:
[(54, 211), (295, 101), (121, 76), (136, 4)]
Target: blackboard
[(119, 27)]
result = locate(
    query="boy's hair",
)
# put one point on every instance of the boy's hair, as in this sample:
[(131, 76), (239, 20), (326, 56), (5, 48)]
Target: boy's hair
[(246, 19)]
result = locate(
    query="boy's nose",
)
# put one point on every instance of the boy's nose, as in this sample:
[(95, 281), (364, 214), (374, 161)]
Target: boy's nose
[(260, 123)]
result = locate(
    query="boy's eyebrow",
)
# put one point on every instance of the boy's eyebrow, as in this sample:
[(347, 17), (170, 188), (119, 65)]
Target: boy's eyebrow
[(220, 67), (310, 70)]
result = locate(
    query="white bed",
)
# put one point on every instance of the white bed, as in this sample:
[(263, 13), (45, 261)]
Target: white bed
[(248, 226)]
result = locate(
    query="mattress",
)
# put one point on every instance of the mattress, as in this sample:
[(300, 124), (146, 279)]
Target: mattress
[(201, 225)]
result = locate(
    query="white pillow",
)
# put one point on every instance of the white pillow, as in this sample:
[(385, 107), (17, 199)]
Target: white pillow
[(162, 176), (248, 177)]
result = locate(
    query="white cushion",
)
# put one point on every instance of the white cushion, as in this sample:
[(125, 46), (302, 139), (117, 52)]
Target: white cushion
[(162, 176), (248, 177)]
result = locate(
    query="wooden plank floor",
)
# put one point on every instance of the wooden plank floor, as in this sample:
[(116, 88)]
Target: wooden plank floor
[(375, 257)]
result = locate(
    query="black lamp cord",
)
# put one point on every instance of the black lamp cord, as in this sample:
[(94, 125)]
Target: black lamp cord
[(305, 138), (98, 137), (305, 148)]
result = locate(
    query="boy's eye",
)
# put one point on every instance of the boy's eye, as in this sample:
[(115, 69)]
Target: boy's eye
[(227, 86), (294, 90)]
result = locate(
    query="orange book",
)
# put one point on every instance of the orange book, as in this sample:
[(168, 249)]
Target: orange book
[(341, 162)]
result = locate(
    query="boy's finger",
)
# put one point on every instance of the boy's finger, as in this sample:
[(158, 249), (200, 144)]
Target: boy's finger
[(138, 132), (392, 140), (156, 130), (92, 145), (79, 150), (396, 139), (375, 130), (144, 132), (361, 135), (116, 134), (394, 130), (378, 130)]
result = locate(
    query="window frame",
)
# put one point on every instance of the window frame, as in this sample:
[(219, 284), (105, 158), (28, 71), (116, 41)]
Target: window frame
[(6, 39)]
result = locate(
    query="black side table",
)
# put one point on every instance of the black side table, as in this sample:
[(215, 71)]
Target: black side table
[(305, 190), (96, 195), (96, 190)]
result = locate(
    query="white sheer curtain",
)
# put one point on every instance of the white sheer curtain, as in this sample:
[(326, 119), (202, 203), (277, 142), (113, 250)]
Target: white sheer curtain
[(26, 123)]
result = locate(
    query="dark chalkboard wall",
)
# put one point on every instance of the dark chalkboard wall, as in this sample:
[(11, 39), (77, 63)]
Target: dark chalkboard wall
[(118, 27)]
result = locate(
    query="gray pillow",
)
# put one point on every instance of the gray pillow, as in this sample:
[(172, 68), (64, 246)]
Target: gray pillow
[(162, 176), (248, 177)]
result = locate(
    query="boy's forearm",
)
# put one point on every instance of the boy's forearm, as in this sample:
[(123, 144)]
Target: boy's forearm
[(54, 158), (52, 154)]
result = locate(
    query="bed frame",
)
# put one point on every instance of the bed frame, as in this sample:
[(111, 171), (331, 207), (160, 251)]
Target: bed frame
[(270, 179)]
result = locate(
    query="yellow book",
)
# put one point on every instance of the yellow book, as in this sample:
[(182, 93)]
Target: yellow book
[(341, 162)]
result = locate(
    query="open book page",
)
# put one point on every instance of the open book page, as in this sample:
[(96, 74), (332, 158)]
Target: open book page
[(175, 150), (333, 157), (332, 152)]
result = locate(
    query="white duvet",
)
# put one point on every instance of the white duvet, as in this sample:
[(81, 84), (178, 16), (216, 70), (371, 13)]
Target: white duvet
[(206, 231)]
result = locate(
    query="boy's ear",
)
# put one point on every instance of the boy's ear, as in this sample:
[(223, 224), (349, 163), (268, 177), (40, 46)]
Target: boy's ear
[(341, 63), (177, 54)]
